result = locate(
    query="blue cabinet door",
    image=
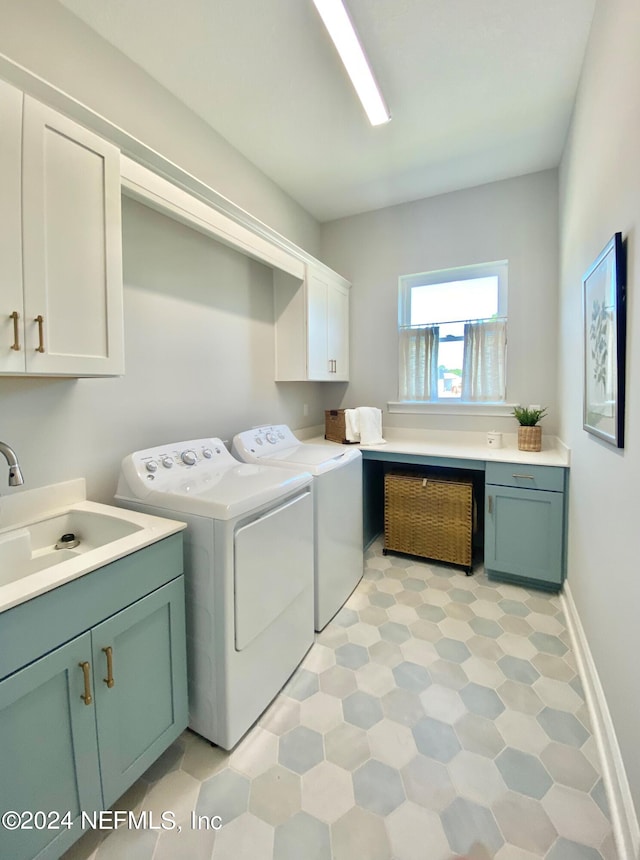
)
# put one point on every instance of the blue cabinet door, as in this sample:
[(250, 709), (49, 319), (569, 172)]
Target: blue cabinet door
[(48, 751), (140, 686), (524, 534)]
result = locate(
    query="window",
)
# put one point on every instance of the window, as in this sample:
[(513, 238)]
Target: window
[(453, 335)]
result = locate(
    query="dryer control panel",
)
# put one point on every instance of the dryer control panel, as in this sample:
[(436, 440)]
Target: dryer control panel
[(265, 441), (164, 467)]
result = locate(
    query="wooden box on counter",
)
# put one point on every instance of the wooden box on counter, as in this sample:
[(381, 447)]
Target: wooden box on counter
[(334, 426)]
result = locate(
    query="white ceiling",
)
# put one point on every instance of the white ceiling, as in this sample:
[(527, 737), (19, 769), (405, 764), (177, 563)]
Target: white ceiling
[(479, 90)]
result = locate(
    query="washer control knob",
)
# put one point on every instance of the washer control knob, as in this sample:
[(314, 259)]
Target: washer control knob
[(152, 466), (167, 462), (189, 457), (207, 452), (271, 438)]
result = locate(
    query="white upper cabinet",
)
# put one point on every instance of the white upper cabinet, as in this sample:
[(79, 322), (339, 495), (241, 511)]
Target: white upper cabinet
[(11, 301), (319, 365), (338, 329), (312, 326), (62, 273)]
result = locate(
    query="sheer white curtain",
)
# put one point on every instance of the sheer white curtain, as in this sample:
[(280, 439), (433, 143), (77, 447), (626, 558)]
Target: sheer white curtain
[(483, 369), (419, 363)]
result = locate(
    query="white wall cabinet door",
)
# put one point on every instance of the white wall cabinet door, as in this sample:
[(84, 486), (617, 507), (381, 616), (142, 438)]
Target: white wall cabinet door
[(72, 257), (60, 245), (328, 326), (318, 366), (312, 326), (11, 293), (338, 330)]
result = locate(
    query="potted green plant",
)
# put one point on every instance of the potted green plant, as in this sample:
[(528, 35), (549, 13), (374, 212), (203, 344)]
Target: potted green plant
[(529, 431)]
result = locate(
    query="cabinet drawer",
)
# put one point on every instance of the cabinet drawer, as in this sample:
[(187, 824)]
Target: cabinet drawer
[(525, 476)]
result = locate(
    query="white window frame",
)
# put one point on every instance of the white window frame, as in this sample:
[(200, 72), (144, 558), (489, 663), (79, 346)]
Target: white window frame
[(498, 268)]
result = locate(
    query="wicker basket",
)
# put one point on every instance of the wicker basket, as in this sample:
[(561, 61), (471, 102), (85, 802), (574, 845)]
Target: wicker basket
[(530, 438), (334, 427), (429, 516)]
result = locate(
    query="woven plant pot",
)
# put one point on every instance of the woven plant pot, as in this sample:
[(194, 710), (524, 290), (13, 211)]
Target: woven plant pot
[(530, 438)]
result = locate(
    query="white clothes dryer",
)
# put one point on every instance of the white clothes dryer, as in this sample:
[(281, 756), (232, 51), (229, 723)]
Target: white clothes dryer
[(337, 491), (248, 574)]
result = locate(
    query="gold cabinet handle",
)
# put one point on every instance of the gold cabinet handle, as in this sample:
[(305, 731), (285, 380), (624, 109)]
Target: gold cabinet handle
[(109, 679), (15, 316), (40, 320), (490, 504), (86, 670)]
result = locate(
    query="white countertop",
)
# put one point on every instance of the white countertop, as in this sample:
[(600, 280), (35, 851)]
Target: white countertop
[(30, 506), (465, 445)]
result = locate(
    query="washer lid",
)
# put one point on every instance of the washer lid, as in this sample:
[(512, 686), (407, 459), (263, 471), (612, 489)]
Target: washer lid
[(230, 492), (199, 476), (316, 458), (277, 445)]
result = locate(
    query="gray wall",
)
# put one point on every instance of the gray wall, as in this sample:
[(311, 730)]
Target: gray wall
[(199, 361), (198, 316), (50, 41), (600, 195), (517, 220)]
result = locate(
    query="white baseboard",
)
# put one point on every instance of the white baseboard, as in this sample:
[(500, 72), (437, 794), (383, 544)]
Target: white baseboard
[(623, 815)]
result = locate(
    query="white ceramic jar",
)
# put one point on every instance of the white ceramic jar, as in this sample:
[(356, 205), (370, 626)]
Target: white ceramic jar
[(494, 439)]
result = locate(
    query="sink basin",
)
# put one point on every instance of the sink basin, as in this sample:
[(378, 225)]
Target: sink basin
[(91, 529), (32, 548), (33, 521)]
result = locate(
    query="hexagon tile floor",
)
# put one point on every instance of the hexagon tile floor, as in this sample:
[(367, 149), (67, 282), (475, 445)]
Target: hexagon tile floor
[(437, 715)]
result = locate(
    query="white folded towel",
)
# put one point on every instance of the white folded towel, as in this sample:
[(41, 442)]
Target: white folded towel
[(370, 425), (351, 425)]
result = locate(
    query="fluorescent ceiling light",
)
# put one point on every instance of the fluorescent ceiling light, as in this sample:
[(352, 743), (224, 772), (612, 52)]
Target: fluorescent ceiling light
[(337, 21)]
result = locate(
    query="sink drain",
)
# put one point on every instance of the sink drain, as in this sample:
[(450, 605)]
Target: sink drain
[(68, 541)]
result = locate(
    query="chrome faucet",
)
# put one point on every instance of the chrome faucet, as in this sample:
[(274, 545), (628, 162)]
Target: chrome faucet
[(15, 473)]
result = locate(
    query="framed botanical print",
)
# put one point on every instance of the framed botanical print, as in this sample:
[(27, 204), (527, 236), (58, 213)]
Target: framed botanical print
[(604, 315)]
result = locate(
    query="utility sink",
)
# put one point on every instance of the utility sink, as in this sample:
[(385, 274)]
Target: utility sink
[(89, 535), (40, 545)]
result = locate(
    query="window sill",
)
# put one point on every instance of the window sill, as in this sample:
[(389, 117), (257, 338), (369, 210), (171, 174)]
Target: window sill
[(412, 407)]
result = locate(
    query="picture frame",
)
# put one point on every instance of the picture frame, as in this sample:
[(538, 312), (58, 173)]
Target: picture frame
[(605, 323)]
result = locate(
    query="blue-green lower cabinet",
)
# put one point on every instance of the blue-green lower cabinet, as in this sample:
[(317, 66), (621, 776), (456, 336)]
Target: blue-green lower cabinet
[(81, 724), (524, 525), (140, 686), (48, 753)]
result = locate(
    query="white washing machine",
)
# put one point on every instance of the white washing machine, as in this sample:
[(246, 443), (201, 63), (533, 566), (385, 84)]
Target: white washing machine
[(337, 491), (248, 574)]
